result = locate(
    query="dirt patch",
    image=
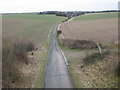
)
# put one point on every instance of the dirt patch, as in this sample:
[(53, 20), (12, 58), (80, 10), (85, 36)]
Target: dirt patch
[(100, 31)]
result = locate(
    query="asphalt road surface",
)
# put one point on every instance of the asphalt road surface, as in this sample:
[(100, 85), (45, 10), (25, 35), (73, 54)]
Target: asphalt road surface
[(57, 75)]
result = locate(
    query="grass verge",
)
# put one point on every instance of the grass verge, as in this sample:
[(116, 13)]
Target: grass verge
[(75, 76), (39, 83)]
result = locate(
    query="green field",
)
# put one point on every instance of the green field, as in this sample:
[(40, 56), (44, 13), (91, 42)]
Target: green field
[(42, 18), (94, 16)]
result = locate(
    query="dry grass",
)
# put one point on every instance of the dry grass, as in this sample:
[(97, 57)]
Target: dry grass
[(14, 53), (90, 69), (103, 72)]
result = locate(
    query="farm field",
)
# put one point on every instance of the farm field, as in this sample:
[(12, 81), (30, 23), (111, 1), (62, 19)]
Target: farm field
[(104, 31), (21, 28), (90, 68), (29, 26), (94, 16)]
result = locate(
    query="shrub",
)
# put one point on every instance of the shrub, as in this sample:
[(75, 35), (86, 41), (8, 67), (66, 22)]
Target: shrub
[(79, 44), (30, 46), (21, 48)]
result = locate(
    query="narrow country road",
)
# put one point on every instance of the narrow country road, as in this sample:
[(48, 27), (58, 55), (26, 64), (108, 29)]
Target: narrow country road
[(57, 75)]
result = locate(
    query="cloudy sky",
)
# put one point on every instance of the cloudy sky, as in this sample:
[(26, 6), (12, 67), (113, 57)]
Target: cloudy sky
[(8, 6)]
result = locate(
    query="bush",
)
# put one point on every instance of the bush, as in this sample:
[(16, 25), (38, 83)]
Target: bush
[(79, 44), (21, 48)]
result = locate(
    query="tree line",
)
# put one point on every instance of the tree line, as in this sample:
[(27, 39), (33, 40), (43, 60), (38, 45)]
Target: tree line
[(70, 14)]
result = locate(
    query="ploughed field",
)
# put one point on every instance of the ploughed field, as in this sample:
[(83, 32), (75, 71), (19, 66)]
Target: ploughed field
[(100, 30)]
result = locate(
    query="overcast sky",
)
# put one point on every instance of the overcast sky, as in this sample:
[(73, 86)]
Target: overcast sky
[(8, 6)]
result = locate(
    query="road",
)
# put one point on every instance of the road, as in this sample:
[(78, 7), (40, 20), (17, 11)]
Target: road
[(57, 75)]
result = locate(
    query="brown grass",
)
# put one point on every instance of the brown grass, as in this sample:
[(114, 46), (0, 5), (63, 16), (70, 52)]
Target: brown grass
[(90, 69), (103, 72), (14, 53)]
